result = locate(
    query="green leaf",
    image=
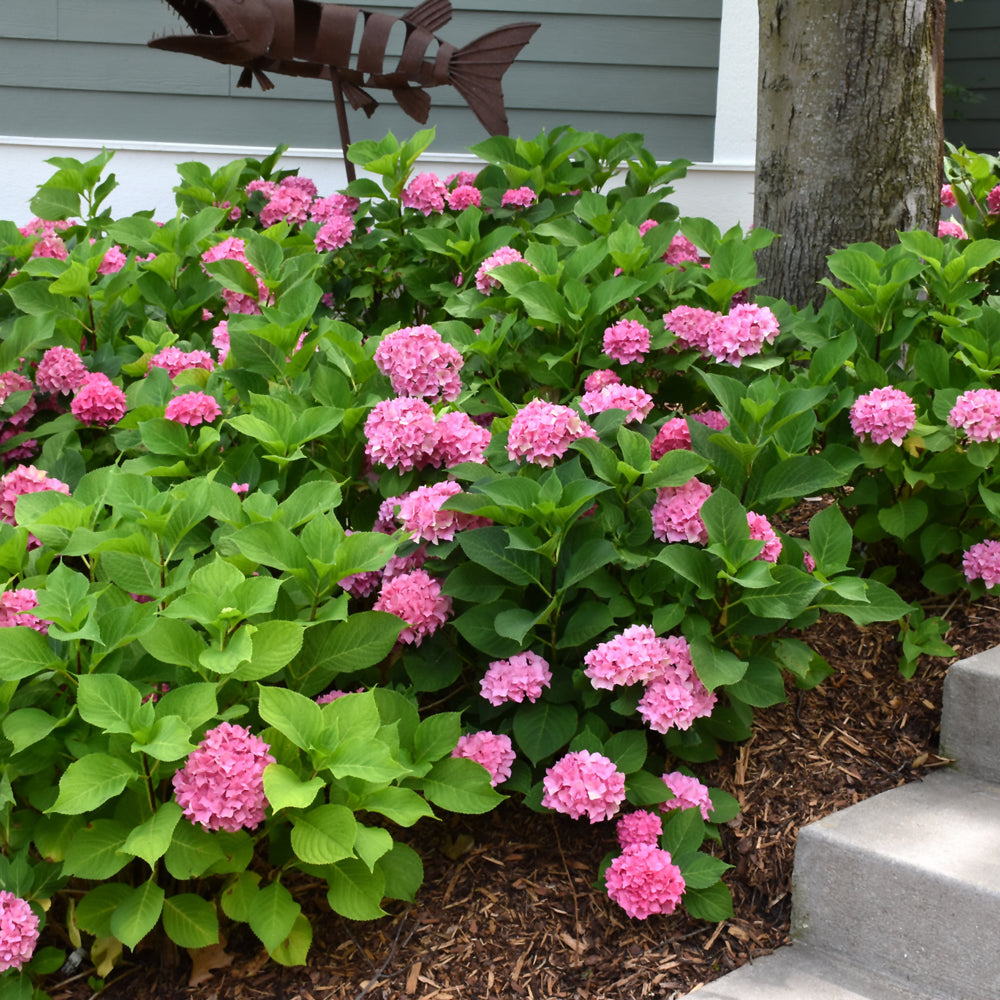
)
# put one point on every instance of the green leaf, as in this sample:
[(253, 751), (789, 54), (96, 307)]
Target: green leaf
[(489, 547), (402, 805), (585, 559), (436, 736), (294, 950), (543, 728), (91, 781), (716, 667), (627, 750), (286, 790), (371, 843), (361, 757), (903, 518), (403, 872), (798, 476), (274, 915), (324, 835), (356, 892), (793, 591), (883, 605), (25, 727), (25, 652), (762, 684), (190, 921), (93, 913), (192, 851), (137, 914), (296, 716), (173, 641), (239, 898), (108, 701), (169, 739), (713, 904), (830, 539), (150, 840), (700, 871), (96, 850), (460, 785)]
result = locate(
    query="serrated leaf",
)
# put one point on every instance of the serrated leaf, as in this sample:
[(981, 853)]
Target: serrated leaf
[(90, 782)]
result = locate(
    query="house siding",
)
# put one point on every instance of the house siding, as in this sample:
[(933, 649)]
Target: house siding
[(972, 61)]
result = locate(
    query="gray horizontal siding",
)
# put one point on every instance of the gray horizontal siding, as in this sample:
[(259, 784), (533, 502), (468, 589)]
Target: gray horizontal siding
[(647, 66), (972, 61)]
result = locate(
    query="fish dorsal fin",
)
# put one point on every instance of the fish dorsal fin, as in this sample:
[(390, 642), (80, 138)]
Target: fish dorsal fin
[(431, 14)]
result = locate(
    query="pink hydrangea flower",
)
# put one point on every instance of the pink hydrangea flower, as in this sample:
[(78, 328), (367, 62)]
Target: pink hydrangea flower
[(426, 193), (742, 333), (400, 433), (50, 246), (884, 414), (977, 412), (644, 880), (681, 251), (220, 340), (335, 233), (982, 562), (948, 227), (175, 361), (44, 227), (266, 188), (634, 401), (458, 438), (674, 435), (520, 197), (113, 260), (599, 379), (674, 699), (629, 658), (808, 563), (948, 196), (221, 786), (289, 202), (21, 480), (485, 282), (993, 201), (420, 513), (761, 531), (98, 402), (462, 177), (233, 248), (626, 341), (324, 209), (676, 515), (18, 931), (325, 699), (11, 382), (584, 784), (541, 432), (15, 609), (463, 196), (493, 750), (691, 326), (240, 488), (525, 675), (420, 363), (416, 598), (60, 370), (689, 793), (193, 408), (715, 419), (644, 227), (639, 827)]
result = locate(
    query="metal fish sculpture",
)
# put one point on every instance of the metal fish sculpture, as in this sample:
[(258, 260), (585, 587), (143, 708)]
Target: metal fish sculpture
[(311, 39)]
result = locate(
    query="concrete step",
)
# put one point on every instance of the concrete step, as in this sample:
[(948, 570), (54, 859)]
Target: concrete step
[(908, 883), (970, 715), (803, 973)]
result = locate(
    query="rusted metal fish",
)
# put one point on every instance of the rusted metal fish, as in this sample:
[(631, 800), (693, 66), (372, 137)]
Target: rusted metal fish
[(310, 39)]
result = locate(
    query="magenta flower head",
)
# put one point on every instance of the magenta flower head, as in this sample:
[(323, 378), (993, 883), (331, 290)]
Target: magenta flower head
[(419, 362), (98, 402), (884, 415), (691, 325), (485, 282), (948, 227), (742, 333), (676, 516), (948, 199), (681, 251), (600, 378), (193, 408), (993, 201), (416, 598), (636, 402), (639, 827), (689, 793), (493, 750), (221, 786), (982, 562), (541, 432), (60, 370), (400, 433), (761, 531), (426, 193), (626, 341), (18, 931), (420, 513), (175, 361), (24, 479), (15, 608), (464, 195), (977, 413), (335, 233), (629, 658), (520, 197), (523, 676), (458, 438), (644, 880), (584, 784)]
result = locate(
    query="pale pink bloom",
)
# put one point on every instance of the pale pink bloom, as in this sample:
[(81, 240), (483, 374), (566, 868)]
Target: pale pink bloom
[(400, 433), (15, 608), (681, 251), (761, 531), (325, 699), (485, 282), (883, 414), (420, 363), (289, 202), (23, 452), (639, 827), (458, 438), (18, 931), (493, 750), (266, 188), (233, 248), (234, 210), (676, 516), (463, 196), (364, 584), (626, 341), (541, 432), (634, 401), (948, 196), (240, 488), (629, 658), (599, 379), (11, 382), (220, 340), (50, 246), (324, 209), (60, 370), (715, 419), (674, 435), (426, 193), (520, 197), (98, 402), (175, 361), (416, 598), (993, 201), (21, 480), (742, 333), (977, 412), (463, 177), (221, 786), (689, 793), (335, 233), (420, 513), (193, 408), (525, 675), (644, 227), (691, 326), (644, 881), (982, 562), (44, 227), (948, 227), (113, 261), (584, 784), (808, 563)]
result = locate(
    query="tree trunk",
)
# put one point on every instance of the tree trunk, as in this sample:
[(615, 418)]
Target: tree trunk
[(849, 135)]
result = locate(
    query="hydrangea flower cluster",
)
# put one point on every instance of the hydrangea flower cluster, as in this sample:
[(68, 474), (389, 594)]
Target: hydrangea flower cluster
[(639, 827), (327, 209), (883, 414), (691, 326), (676, 516), (113, 260), (599, 379), (761, 531), (681, 251), (520, 197), (948, 227), (993, 201), (689, 793), (233, 248), (464, 195), (221, 786), (220, 340), (583, 783), (420, 513), (10, 383), (982, 562), (541, 432), (485, 282), (61, 370), (416, 598), (626, 341), (50, 245), (948, 199), (175, 361), (288, 201), (636, 402), (21, 480), (419, 362), (18, 931), (630, 658), (742, 333), (425, 193), (977, 413), (644, 880), (192, 408), (525, 675), (493, 750), (15, 609), (335, 234)]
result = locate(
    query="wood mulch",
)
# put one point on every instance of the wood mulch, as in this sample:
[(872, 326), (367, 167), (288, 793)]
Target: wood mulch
[(508, 909)]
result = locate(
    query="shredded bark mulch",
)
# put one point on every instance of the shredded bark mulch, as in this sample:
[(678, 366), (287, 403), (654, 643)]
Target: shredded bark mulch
[(508, 908)]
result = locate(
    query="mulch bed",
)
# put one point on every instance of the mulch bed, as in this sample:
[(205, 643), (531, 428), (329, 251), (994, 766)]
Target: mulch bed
[(508, 908)]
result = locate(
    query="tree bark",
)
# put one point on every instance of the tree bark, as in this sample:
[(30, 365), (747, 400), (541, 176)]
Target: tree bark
[(849, 134)]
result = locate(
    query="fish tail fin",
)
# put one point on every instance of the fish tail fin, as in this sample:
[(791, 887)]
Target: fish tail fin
[(476, 71)]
